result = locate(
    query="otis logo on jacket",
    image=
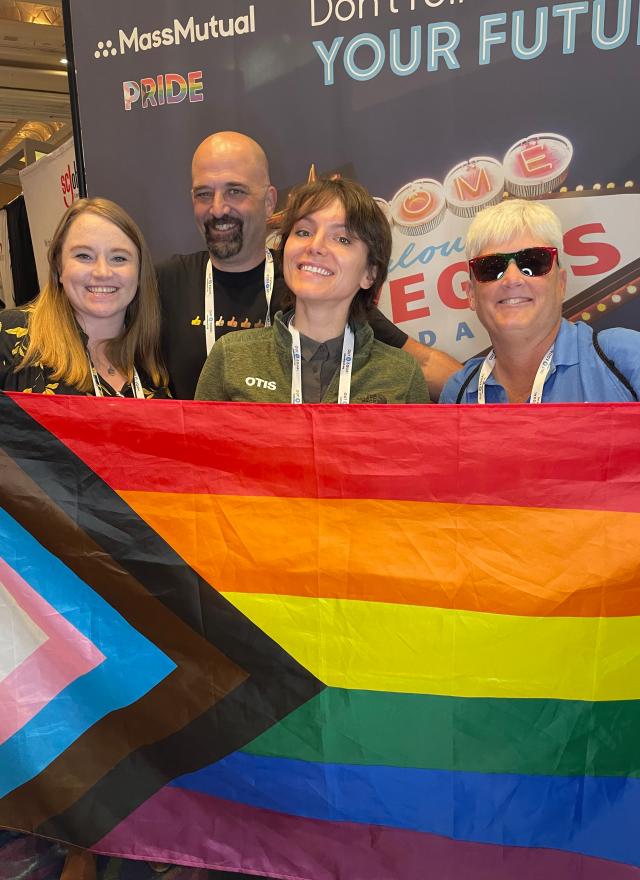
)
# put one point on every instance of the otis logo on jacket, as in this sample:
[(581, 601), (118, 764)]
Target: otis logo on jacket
[(252, 381)]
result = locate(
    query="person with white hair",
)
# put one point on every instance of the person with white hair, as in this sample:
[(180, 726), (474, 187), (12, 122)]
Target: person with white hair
[(517, 287)]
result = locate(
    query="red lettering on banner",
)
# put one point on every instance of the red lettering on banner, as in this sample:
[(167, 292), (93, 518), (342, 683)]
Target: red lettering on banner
[(401, 297), (534, 160), (446, 289), (606, 256), (66, 184)]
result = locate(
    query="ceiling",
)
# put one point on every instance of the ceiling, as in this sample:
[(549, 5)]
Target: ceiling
[(34, 93)]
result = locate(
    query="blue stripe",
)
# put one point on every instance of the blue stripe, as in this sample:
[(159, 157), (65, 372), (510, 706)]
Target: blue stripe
[(133, 664), (596, 816)]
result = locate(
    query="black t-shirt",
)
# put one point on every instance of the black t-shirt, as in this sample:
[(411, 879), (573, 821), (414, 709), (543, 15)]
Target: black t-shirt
[(240, 304)]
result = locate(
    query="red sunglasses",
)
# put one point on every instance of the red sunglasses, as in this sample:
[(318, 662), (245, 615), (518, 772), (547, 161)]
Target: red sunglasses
[(532, 261)]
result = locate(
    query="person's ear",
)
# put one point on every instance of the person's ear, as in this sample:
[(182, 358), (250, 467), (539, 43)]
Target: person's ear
[(270, 200), (368, 277), (471, 292), (562, 282)]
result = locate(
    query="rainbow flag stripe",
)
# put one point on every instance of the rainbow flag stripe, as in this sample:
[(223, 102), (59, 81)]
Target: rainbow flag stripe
[(319, 642)]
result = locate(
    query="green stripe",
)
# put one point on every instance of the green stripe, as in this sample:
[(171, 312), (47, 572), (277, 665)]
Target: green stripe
[(549, 737)]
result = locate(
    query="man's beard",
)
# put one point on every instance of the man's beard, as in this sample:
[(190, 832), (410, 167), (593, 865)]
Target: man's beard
[(223, 244)]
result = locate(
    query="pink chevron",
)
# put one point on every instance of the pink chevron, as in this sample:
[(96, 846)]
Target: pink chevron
[(64, 657)]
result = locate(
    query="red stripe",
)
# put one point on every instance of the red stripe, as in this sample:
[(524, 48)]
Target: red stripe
[(277, 845), (556, 455)]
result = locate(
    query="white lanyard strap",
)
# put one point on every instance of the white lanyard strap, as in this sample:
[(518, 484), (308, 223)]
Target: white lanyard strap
[(538, 383), (346, 365), (209, 303), (97, 387)]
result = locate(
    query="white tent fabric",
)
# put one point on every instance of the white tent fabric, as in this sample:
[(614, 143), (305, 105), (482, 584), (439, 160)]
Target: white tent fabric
[(6, 278)]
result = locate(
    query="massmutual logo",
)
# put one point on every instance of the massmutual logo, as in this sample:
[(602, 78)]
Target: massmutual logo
[(176, 33)]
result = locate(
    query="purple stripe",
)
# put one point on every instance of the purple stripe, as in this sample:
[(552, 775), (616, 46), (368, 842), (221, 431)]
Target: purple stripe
[(222, 834)]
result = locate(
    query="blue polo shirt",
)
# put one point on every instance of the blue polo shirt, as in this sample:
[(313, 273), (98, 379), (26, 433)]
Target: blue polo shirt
[(577, 375)]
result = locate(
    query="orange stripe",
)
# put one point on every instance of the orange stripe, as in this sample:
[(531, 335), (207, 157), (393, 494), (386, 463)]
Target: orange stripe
[(507, 560)]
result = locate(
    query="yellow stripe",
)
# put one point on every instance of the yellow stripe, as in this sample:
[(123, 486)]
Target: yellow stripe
[(381, 647)]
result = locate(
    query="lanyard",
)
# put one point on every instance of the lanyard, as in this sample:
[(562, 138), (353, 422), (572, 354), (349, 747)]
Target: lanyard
[(209, 306), (538, 383), (346, 364), (97, 387)]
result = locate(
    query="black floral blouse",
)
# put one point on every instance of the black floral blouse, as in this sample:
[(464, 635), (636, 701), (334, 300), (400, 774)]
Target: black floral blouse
[(14, 338)]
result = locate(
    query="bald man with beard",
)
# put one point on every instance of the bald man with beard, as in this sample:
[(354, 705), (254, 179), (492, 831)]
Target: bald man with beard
[(237, 283)]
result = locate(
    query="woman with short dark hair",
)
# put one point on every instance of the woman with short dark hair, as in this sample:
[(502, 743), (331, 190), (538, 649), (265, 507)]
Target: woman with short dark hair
[(335, 247)]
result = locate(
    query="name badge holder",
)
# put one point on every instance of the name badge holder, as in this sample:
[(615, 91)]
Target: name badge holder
[(538, 383), (209, 303), (346, 365), (136, 384)]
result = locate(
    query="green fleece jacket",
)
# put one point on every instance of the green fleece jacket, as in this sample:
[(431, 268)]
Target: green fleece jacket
[(255, 366)]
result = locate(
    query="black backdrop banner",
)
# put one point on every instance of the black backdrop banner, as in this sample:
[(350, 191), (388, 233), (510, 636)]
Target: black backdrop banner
[(439, 107), (23, 264)]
